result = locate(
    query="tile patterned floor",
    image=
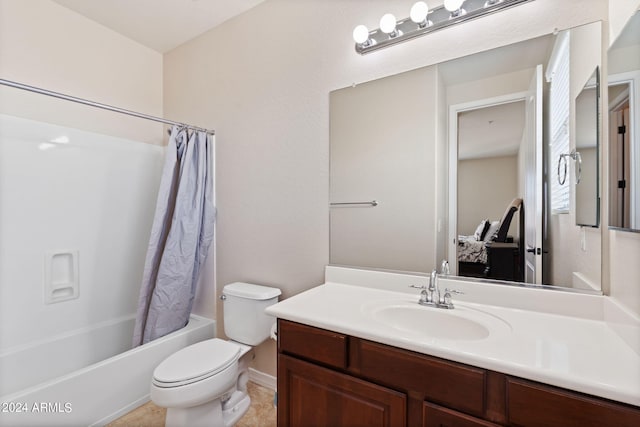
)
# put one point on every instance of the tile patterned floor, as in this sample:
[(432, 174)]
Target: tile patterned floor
[(261, 413)]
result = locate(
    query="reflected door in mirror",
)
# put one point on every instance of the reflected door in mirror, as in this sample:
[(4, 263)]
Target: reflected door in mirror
[(619, 156), (624, 128)]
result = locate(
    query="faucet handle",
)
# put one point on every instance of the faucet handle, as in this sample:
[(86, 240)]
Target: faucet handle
[(423, 293), (446, 300)]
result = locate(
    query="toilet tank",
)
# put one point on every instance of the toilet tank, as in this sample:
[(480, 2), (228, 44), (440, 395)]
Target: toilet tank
[(243, 306)]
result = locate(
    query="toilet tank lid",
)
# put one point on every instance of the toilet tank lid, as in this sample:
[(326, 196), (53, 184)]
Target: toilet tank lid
[(250, 291)]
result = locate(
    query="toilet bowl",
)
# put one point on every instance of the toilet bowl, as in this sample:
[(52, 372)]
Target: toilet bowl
[(204, 384)]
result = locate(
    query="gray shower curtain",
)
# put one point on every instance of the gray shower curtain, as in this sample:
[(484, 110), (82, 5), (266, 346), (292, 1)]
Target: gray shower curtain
[(181, 234)]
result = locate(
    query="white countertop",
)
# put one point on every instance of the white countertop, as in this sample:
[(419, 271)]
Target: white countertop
[(574, 352)]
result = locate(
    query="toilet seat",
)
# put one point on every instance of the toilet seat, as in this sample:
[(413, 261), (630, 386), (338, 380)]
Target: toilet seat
[(196, 363)]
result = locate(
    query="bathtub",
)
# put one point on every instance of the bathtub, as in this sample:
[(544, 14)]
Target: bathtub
[(86, 377)]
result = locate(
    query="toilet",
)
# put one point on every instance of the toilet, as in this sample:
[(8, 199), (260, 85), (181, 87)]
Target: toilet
[(205, 384)]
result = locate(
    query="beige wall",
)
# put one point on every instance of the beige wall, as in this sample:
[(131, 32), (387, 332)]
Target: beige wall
[(262, 81), (384, 148), (586, 196), (46, 45), (491, 87), (442, 173), (484, 194), (619, 13)]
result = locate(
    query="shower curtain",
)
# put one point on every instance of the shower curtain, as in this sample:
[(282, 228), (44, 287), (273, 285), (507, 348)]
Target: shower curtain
[(181, 234)]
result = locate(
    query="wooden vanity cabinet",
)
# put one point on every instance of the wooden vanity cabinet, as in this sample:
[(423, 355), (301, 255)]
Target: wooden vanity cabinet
[(331, 379), (317, 396), (532, 404), (438, 416)]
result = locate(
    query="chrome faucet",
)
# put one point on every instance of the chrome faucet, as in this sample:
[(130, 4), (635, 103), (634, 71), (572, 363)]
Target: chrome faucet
[(431, 296), (434, 292), (444, 268)]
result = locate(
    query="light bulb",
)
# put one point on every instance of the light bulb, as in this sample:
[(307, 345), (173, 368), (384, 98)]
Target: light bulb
[(361, 34), (388, 23), (419, 12), (453, 5)]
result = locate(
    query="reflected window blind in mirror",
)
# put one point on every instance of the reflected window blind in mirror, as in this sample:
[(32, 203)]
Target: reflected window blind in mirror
[(558, 77)]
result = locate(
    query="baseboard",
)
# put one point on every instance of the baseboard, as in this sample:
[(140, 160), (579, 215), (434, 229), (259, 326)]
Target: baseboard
[(265, 380)]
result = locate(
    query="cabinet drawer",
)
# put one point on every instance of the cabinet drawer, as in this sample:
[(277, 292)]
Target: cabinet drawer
[(531, 405), (437, 416), (318, 345), (450, 384)]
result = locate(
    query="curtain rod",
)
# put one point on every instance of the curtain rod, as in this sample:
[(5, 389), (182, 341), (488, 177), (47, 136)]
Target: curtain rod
[(99, 105)]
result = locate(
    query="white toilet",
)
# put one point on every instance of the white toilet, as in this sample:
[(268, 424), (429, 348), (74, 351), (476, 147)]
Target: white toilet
[(205, 384)]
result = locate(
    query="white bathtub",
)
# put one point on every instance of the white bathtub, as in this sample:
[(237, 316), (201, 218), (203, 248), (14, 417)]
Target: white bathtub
[(86, 377)]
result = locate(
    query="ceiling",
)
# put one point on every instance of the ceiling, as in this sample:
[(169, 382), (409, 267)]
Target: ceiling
[(160, 24), (491, 131)]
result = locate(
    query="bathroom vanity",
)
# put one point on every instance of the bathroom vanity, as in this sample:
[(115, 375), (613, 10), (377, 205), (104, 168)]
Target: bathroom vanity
[(332, 379), (354, 355)]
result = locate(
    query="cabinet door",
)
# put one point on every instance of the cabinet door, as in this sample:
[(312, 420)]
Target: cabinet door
[(437, 416), (531, 404), (309, 396)]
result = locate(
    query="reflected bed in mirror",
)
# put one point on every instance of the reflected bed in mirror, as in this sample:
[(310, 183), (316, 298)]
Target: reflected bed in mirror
[(456, 149), (624, 137)]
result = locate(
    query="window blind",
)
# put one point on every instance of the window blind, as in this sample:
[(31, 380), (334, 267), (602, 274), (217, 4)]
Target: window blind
[(559, 101)]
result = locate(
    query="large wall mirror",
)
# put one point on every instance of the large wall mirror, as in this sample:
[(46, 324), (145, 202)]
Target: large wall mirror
[(624, 133), (459, 161)]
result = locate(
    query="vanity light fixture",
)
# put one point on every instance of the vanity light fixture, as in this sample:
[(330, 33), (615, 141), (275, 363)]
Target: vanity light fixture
[(418, 14), (388, 25), (423, 21), (361, 36), (455, 7)]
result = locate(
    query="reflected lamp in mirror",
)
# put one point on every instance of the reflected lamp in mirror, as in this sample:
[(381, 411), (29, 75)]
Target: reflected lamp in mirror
[(624, 118), (424, 21)]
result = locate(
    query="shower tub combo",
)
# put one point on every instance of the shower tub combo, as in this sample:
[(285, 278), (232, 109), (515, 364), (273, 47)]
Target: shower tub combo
[(76, 209), (71, 389)]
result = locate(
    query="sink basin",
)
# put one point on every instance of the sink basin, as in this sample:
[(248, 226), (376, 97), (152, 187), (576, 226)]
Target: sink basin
[(414, 320)]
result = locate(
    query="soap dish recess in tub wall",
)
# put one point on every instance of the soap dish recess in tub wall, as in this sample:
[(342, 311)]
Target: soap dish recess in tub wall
[(61, 282)]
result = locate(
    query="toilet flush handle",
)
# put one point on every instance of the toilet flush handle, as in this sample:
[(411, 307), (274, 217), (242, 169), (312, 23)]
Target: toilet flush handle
[(223, 297)]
